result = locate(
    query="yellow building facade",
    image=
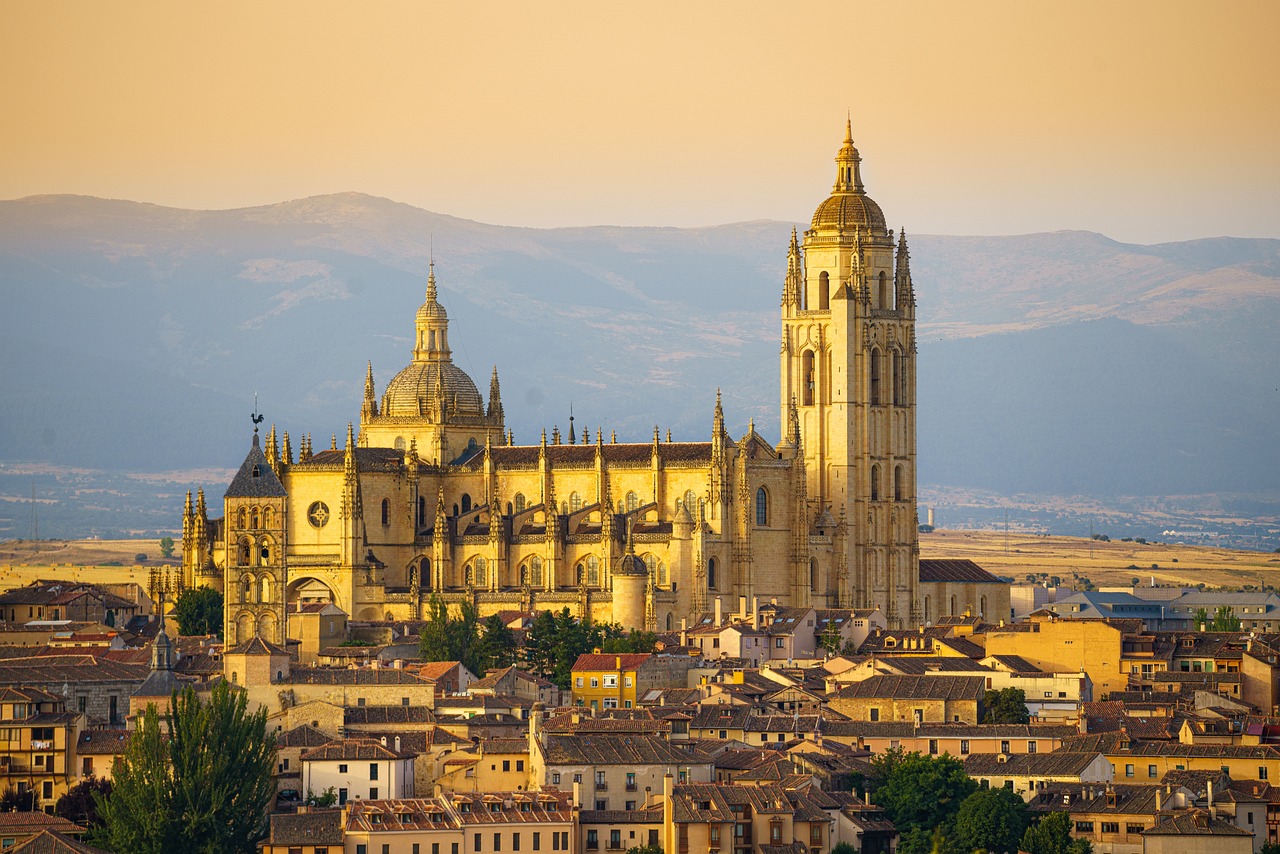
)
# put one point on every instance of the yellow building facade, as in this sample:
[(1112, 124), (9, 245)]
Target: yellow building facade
[(431, 496)]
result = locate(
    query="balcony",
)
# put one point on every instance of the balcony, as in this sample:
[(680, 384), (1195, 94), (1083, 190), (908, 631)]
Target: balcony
[(41, 745), (602, 786), (631, 787)]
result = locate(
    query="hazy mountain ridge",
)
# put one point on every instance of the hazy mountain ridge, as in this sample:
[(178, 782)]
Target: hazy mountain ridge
[(138, 334)]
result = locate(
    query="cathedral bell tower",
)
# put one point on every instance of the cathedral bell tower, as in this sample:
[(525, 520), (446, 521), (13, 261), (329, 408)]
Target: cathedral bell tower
[(848, 365)]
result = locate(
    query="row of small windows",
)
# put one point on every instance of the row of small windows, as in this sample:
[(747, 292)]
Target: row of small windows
[(254, 518), (252, 590), (247, 549), (587, 571), (928, 608)]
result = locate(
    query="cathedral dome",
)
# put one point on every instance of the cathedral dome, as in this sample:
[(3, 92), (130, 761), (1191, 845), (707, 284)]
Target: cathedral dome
[(849, 207), (412, 392), (848, 211)]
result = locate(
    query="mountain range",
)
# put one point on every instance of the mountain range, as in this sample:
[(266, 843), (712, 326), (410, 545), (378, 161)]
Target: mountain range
[(135, 338)]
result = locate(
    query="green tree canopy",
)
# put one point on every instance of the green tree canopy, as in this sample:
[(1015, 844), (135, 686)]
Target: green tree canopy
[(166, 546), (206, 787), (991, 820), (1052, 835), (918, 791), (199, 611), (80, 805), (1006, 706)]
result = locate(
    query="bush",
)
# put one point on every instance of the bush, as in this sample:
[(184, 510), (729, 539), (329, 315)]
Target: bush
[(140, 557)]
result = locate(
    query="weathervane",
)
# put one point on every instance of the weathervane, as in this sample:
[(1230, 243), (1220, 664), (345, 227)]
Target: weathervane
[(256, 418)]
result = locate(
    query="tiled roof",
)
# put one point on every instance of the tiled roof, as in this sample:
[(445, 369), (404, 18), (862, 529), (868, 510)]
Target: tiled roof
[(256, 646), (1056, 764), (936, 569), (255, 479), (589, 661), (1195, 823), (102, 742), (512, 807), (352, 748), (34, 822), (916, 688), (52, 842), (314, 827), (383, 715), (302, 736), (641, 816), (342, 676), (616, 750)]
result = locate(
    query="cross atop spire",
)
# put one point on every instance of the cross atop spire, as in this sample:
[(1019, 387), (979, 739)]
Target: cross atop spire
[(848, 174)]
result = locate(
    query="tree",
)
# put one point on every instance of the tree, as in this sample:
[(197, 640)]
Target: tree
[(830, 638), (11, 800), (918, 791), (1006, 706), (1052, 835), (79, 804), (991, 819), (1225, 620), (166, 546), (648, 849), (205, 787), (496, 646), (199, 611)]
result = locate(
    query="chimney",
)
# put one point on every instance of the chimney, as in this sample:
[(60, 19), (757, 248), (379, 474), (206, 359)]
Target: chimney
[(684, 631), (1159, 800), (577, 793), (742, 607), (719, 612), (397, 744), (755, 612), (1210, 797), (535, 728), (668, 814)]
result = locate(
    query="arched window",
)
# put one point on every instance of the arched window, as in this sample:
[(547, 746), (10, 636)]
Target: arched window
[(875, 377), (691, 503), (657, 570), (813, 574), (875, 483), (246, 556), (477, 572), (589, 571), (268, 517), (399, 443), (762, 507), (466, 502), (431, 339), (711, 573), (264, 552), (809, 379), (531, 572), (265, 589), (824, 291), (898, 491), (253, 518), (884, 291), (386, 511), (953, 606), (896, 379), (422, 510), (982, 606), (928, 609), (241, 518), (633, 501), (246, 589), (670, 621), (575, 502), (424, 573), (519, 502)]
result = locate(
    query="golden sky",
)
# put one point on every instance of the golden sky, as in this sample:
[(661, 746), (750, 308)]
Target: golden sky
[(1147, 121)]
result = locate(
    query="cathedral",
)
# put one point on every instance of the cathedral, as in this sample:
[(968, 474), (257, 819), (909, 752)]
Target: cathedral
[(430, 496)]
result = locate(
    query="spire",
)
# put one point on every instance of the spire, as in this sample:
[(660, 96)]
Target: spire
[(368, 382), (572, 439), (200, 508), (369, 408), (848, 174), (432, 325), (793, 423), (431, 281), (349, 456), (794, 284), (286, 451), (906, 295), (495, 396)]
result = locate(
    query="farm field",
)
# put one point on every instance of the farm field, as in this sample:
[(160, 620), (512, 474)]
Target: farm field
[(1113, 563)]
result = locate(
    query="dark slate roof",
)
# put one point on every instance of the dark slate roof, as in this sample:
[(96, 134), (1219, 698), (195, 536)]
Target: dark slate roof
[(367, 459), (937, 569), (916, 688), (264, 485), (1056, 764), (1195, 823)]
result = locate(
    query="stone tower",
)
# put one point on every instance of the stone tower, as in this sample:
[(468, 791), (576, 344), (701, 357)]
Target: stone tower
[(255, 507), (848, 367)]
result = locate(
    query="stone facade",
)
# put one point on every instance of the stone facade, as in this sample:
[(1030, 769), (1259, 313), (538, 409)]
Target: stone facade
[(432, 497)]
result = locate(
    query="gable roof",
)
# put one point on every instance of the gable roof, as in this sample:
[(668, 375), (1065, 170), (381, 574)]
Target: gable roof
[(939, 569)]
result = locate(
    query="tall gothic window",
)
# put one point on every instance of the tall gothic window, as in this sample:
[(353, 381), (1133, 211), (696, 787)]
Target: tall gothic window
[(633, 502), (691, 503), (897, 483), (386, 511), (875, 377), (575, 502), (422, 510), (896, 378), (824, 291), (884, 291), (808, 380), (762, 507), (813, 574), (711, 574), (875, 483), (519, 502)]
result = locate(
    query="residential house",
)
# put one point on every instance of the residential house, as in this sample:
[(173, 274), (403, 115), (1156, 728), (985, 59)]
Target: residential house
[(1028, 773), (358, 768), (916, 699), (308, 831), (37, 743)]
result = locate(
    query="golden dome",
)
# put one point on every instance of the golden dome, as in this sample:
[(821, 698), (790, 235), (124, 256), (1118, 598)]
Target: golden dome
[(848, 211), (412, 392), (849, 206)]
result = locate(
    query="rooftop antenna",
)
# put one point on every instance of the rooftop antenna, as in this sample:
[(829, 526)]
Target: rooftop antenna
[(257, 418)]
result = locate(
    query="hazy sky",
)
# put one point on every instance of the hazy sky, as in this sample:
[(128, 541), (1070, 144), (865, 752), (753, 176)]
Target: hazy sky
[(1145, 121)]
